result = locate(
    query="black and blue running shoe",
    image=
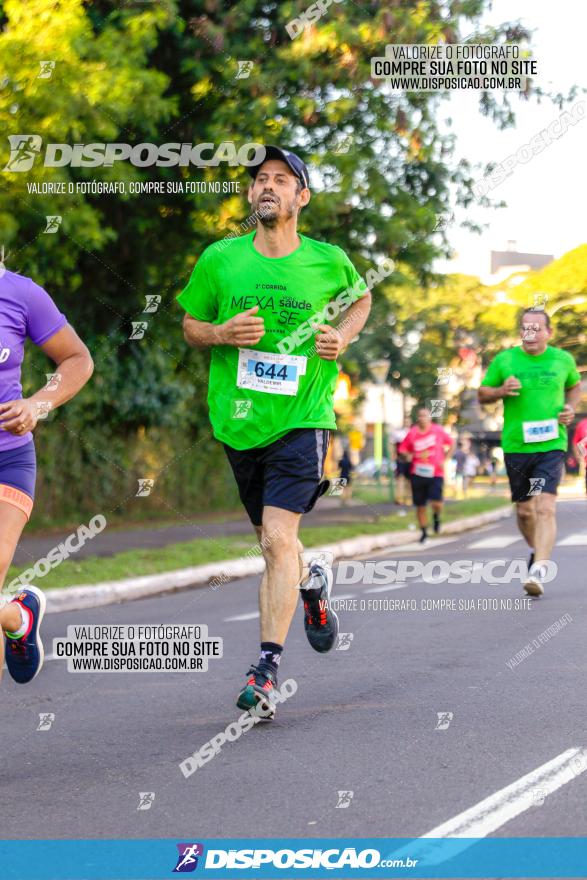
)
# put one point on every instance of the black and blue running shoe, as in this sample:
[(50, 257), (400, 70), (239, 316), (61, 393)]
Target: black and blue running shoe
[(320, 621), (258, 693)]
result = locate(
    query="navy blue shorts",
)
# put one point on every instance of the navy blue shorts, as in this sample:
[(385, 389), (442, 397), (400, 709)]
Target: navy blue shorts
[(426, 489), (18, 474), (287, 473), (531, 473), (403, 469)]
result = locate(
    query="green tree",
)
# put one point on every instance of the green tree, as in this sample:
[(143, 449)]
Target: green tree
[(168, 73)]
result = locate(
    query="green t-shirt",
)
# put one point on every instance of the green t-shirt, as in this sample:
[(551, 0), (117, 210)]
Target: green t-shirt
[(531, 420), (258, 395)]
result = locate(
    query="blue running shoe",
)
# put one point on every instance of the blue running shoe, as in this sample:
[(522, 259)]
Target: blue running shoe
[(24, 656)]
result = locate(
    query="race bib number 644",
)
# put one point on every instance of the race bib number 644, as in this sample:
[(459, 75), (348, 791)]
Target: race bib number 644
[(270, 372)]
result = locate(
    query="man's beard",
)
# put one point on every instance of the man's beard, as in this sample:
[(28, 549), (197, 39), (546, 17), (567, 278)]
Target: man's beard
[(268, 213), (269, 216)]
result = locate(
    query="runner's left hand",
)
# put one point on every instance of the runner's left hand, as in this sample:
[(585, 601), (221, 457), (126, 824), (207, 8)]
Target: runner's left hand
[(566, 415), (18, 416), (329, 342)]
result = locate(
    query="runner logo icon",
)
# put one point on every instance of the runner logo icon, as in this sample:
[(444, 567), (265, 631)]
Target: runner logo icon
[(344, 641), (24, 149), (146, 800), (444, 719), (46, 719), (241, 409), (536, 485), (437, 407), (344, 799), (187, 860)]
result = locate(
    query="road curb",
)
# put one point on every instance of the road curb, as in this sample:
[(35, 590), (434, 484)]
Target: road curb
[(111, 592)]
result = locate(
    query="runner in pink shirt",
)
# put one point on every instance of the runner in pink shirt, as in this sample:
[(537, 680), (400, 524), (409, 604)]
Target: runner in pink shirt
[(428, 445), (580, 444)]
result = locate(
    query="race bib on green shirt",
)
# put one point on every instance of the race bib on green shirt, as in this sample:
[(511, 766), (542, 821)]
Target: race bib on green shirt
[(269, 372), (537, 432)]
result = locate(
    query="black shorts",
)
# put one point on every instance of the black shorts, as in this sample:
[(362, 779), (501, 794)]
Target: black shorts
[(531, 473), (426, 489), (285, 474), (403, 469)]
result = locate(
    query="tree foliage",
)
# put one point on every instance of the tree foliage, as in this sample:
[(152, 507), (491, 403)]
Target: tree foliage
[(167, 72)]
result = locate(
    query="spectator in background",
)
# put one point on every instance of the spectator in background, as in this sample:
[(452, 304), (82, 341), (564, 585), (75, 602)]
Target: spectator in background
[(470, 470), (460, 457), (580, 444), (345, 466), (486, 464), (497, 463), (402, 472)]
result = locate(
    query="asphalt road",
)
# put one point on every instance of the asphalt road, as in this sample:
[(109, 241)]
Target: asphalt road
[(363, 720)]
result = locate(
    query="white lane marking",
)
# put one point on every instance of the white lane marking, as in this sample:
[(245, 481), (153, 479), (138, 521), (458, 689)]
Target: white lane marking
[(392, 552), (434, 541), (577, 539), (497, 809), (507, 803), (254, 614), (429, 544), (494, 542), (251, 615), (385, 589)]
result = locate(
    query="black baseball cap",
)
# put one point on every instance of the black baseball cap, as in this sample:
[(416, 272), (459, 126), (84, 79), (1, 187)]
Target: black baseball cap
[(293, 162)]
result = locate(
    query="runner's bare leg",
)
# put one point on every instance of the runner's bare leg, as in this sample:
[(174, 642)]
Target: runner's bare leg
[(526, 514), (545, 528), (278, 593), (12, 522)]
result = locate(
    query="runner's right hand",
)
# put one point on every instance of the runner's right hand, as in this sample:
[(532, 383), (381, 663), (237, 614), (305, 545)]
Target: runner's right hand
[(242, 330), (510, 387)]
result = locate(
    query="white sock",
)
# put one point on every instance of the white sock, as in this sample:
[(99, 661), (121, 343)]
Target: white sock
[(25, 615)]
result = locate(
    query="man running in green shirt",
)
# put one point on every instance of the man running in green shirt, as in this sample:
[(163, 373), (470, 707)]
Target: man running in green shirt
[(263, 303), (540, 387)]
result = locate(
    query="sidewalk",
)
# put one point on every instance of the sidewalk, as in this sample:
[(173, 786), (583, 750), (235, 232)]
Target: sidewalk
[(117, 540), (218, 574)]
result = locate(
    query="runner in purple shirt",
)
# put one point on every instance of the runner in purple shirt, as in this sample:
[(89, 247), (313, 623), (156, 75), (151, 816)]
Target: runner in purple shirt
[(27, 311)]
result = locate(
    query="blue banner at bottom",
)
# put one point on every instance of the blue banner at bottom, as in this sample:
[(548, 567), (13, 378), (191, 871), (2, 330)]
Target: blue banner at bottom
[(227, 858)]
